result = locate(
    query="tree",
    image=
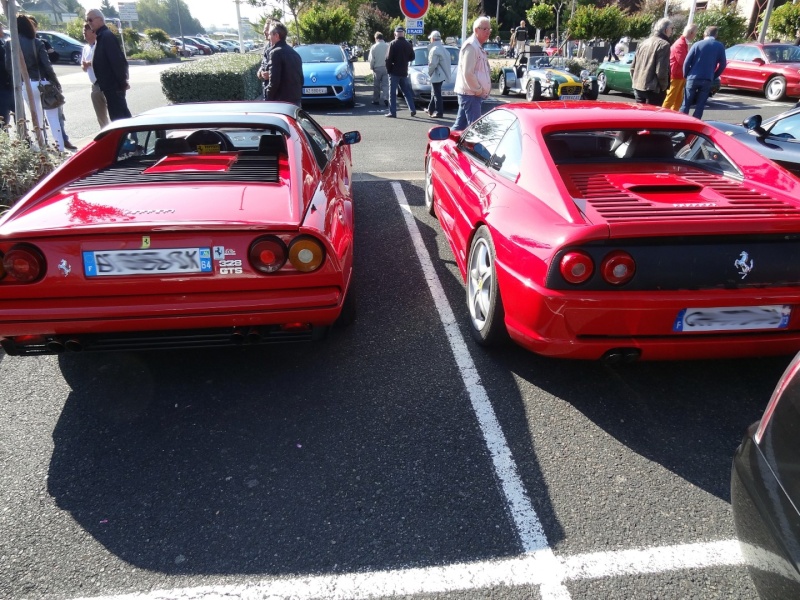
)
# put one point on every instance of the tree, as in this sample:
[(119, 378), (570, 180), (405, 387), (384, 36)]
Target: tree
[(784, 22), (323, 24), (109, 12), (446, 19), (369, 20), (732, 25), (639, 26), (541, 16)]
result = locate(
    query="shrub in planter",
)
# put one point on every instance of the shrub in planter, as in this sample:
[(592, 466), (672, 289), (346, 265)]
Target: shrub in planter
[(217, 78), (22, 167)]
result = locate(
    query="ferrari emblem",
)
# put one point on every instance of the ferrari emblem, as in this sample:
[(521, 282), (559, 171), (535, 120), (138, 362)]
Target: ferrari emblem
[(145, 241), (64, 267), (744, 264)]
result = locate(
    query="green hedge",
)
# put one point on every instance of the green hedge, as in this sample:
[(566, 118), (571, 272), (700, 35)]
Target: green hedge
[(220, 77)]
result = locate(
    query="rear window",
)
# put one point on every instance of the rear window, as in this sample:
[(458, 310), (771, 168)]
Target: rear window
[(637, 145)]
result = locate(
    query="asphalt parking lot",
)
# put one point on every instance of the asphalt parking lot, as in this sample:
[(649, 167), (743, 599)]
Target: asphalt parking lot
[(395, 458)]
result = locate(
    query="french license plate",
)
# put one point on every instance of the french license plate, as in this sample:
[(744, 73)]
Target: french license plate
[(314, 90), (161, 261), (733, 318), (570, 97), (448, 93)]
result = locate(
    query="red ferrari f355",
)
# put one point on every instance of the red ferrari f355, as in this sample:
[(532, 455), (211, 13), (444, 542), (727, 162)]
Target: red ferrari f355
[(600, 230)]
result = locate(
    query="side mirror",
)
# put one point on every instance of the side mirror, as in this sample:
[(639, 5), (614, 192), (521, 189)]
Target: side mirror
[(758, 60), (438, 133), (350, 138), (754, 124)]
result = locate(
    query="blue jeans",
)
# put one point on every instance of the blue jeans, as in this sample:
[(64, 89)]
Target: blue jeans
[(469, 110), (696, 92), (405, 88), (436, 105), (6, 104)]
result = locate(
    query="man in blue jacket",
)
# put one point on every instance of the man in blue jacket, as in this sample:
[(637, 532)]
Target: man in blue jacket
[(110, 66), (704, 63)]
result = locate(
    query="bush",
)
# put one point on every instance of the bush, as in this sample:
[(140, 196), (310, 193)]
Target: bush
[(22, 167), (151, 55), (218, 78)]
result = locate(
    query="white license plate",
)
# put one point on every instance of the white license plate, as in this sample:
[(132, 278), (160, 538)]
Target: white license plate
[(448, 93), (570, 97), (733, 318), (161, 261), (315, 90)]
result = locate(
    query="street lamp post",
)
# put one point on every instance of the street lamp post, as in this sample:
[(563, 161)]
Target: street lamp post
[(180, 27)]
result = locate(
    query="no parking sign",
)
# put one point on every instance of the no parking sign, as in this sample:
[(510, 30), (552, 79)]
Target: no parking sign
[(414, 9)]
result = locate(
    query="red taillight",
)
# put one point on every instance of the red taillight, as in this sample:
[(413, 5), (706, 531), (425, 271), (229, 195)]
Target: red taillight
[(618, 267), (576, 267), (24, 263), (306, 253), (268, 254)]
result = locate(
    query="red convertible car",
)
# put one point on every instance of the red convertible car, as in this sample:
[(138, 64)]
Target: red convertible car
[(616, 231), (186, 226)]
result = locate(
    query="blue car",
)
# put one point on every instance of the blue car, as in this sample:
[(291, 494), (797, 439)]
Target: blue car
[(327, 74)]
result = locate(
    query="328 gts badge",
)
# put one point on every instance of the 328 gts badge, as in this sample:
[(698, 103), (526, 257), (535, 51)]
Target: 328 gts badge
[(230, 267)]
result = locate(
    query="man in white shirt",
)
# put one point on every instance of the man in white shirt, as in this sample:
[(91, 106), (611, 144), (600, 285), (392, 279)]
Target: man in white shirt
[(473, 78), (98, 98), (377, 62)]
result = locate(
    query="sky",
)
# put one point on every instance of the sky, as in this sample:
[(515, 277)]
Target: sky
[(217, 12)]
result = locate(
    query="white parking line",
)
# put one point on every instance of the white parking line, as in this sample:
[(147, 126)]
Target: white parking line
[(525, 519), (522, 571)]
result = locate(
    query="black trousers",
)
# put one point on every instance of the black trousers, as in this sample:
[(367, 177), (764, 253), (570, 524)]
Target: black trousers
[(117, 105)]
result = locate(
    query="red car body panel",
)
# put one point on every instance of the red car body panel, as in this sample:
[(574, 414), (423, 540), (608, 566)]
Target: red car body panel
[(70, 214), (553, 206)]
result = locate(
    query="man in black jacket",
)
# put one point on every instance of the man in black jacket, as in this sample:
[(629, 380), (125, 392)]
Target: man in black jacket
[(398, 56), (6, 86), (110, 66), (281, 69)]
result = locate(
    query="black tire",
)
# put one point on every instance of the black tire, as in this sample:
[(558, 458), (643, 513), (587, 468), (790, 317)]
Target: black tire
[(501, 85), (775, 89), (348, 314), (429, 203), (533, 92), (602, 83), (76, 58), (486, 314), (593, 92)]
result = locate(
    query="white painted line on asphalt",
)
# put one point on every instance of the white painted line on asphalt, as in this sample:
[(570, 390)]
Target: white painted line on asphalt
[(525, 519), (522, 571)]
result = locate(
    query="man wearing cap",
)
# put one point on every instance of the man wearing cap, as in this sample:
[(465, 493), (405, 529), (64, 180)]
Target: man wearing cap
[(377, 63), (400, 53), (473, 78), (439, 72)]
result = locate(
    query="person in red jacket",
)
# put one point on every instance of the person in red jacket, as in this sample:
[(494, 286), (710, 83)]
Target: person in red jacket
[(677, 56)]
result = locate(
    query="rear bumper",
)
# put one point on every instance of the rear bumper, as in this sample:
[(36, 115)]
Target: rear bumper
[(146, 322), (593, 325)]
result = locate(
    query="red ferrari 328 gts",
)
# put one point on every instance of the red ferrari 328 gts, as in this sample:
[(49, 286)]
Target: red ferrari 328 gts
[(186, 226), (618, 231)]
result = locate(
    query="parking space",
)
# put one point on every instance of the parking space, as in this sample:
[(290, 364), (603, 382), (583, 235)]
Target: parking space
[(395, 458)]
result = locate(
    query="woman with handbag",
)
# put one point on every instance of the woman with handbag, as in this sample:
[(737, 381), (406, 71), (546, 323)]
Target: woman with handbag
[(41, 75)]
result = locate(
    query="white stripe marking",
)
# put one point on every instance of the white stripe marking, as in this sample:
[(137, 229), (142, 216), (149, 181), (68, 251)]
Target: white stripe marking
[(525, 519), (523, 571)]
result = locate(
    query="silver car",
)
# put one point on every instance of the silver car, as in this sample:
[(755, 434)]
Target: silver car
[(421, 82)]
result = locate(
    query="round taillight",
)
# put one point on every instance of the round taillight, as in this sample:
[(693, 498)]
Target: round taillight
[(268, 254), (24, 263), (618, 267), (576, 267), (306, 254)]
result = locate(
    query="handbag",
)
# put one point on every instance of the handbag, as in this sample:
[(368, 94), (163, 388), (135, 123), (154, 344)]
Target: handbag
[(51, 96)]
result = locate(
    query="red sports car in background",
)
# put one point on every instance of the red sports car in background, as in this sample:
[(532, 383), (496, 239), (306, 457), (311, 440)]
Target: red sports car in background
[(773, 69), (618, 231), (186, 226)]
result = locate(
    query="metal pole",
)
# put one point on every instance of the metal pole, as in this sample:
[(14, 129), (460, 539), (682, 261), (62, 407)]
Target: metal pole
[(239, 26), (767, 15), (464, 10), (180, 27)]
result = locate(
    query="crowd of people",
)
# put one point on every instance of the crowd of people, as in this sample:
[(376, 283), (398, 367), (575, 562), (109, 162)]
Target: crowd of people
[(102, 59)]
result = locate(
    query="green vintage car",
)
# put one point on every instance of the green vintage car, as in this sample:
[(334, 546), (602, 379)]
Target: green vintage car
[(616, 76)]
